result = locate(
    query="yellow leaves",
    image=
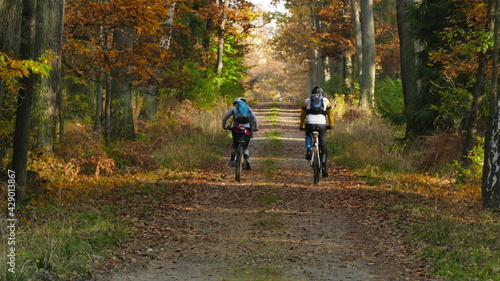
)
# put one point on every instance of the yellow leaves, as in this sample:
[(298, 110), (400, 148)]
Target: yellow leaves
[(11, 68)]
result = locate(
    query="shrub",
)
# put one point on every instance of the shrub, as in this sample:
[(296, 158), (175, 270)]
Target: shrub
[(360, 140), (83, 152), (439, 150)]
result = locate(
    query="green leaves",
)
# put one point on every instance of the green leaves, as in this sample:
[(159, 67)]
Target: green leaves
[(11, 68)]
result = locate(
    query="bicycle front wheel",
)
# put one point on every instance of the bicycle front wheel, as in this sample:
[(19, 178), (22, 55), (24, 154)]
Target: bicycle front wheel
[(239, 162), (316, 165)]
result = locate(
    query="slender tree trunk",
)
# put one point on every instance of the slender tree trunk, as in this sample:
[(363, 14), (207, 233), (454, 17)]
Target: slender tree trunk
[(358, 38), (347, 74), (98, 104), (491, 168), (107, 111), (222, 33), (367, 81)]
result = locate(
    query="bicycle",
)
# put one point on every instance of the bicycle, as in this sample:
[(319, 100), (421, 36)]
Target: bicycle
[(240, 136), (316, 159)]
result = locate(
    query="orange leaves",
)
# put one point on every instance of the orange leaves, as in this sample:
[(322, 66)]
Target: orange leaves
[(89, 46), (11, 69)]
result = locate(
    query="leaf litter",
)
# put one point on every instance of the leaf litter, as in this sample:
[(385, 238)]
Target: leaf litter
[(274, 225)]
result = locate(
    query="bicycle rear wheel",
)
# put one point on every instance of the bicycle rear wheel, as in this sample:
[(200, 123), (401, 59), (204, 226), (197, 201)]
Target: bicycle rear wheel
[(239, 162), (316, 165)]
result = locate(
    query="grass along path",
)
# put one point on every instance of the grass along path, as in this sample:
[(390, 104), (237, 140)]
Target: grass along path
[(274, 225)]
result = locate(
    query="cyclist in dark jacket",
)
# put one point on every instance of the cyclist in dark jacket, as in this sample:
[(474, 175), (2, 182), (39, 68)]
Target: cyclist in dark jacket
[(250, 127)]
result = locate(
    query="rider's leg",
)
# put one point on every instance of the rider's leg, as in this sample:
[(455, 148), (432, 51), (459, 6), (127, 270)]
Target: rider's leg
[(309, 130), (246, 154), (324, 170), (233, 152), (324, 150)]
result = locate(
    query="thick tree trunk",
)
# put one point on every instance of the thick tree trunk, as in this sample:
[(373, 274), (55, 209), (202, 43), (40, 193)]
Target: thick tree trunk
[(50, 20), (26, 94), (491, 168), (409, 58), (367, 81), (10, 16), (121, 93), (319, 63)]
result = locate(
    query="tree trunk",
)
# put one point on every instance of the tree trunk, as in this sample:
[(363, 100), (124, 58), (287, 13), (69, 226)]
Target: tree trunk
[(107, 110), (50, 21), (367, 81), (358, 39), (491, 169), (149, 108), (319, 63), (409, 58), (222, 34), (347, 62), (310, 63), (26, 94), (10, 16), (121, 93), (98, 104)]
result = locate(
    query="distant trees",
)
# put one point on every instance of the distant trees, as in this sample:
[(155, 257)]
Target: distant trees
[(118, 58), (441, 51)]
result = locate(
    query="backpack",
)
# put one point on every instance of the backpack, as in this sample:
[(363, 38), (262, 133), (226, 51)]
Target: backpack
[(243, 115), (316, 104)]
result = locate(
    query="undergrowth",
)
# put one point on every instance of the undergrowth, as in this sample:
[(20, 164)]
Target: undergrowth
[(439, 198), (63, 233), (57, 241)]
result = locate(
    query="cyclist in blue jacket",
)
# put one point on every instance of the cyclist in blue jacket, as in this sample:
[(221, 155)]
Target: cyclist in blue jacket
[(249, 127)]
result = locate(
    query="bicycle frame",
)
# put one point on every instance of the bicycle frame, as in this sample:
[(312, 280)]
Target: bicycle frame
[(315, 159), (239, 158)]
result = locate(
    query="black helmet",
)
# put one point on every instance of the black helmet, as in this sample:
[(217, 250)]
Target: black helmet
[(317, 90)]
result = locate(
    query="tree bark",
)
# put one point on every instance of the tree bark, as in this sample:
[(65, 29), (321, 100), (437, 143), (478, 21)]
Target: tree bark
[(409, 59), (121, 92), (367, 81), (222, 33), (26, 95), (50, 21), (358, 39), (10, 16), (491, 170)]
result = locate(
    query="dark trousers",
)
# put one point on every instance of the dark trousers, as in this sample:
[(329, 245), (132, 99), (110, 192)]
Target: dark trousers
[(236, 137)]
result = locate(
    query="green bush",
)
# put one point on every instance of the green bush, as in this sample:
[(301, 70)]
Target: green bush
[(389, 101)]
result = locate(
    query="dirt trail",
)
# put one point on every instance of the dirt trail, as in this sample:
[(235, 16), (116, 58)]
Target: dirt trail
[(274, 225)]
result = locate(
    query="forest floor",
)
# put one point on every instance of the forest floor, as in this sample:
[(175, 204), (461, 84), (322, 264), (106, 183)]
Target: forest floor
[(273, 225)]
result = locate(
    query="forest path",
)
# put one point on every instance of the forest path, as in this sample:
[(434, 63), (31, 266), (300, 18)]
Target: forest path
[(273, 225)]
